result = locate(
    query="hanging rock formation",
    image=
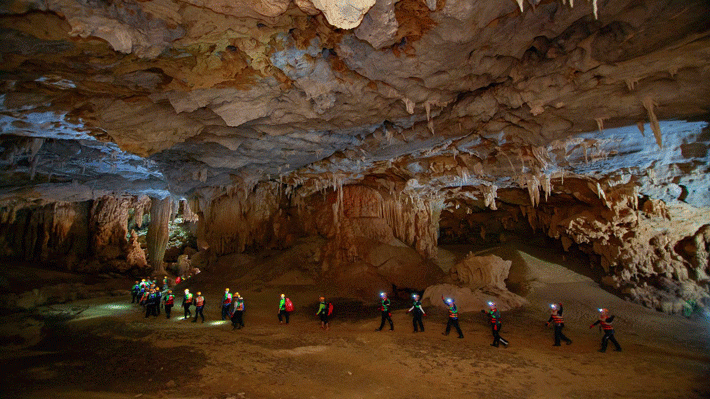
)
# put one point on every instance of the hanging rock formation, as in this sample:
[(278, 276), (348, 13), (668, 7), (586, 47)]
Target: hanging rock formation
[(385, 128)]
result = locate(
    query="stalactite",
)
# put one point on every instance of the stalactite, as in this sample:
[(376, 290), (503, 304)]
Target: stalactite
[(187, 214), (520, 4), (158, 233), (648, 103), (489, 196)]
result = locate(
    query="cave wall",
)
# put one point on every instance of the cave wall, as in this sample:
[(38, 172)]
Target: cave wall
[(86, 236), (54, 233), (652, 252)]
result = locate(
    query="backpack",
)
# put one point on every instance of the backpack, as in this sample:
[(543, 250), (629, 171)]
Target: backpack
[(330, 308), (289, 305)]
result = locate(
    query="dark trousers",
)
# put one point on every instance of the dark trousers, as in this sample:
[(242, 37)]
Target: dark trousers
[(225, 311), (495, 328), (168, 309), (455, 323), (134, 295), (386, 316), (151, 310), (187, 311), (198, 312), (417, 320), (238, 319), (609, 336), (283, 314), (559, 335)]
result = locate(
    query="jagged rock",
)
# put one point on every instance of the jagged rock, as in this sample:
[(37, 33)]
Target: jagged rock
[(345, 14), (135, 255), (379, 26), (481, 271), (468, 300)]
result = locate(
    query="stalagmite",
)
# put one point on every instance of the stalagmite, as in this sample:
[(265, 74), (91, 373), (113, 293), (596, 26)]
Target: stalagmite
[(158, 233)]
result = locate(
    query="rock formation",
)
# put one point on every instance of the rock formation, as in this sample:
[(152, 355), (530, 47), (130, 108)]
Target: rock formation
[(384, 127)]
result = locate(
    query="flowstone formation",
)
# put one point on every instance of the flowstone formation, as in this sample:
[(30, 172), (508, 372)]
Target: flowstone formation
[(385, 128)]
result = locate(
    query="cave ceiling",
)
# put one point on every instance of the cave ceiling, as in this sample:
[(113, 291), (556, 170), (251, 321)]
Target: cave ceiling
[(468, 99)]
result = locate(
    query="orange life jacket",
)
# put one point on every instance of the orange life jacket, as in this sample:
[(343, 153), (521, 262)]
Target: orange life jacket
[(199, 301), (557, 319)]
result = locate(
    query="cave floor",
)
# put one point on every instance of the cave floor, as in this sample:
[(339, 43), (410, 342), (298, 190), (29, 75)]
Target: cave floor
[(105, 348)]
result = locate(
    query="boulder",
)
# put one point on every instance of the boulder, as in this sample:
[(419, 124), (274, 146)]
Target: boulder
[(481, 271), (468, 300)]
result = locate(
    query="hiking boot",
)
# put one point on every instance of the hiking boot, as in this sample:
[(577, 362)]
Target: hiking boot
[(460, 336), (569, 342)]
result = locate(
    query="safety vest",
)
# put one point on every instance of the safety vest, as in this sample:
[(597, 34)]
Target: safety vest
[(606, 326), (199, 301), (453, 312), (170, 299), (239, 304), (557, 319), (494, 315), (188, 298), (385, 305), (227, 299)]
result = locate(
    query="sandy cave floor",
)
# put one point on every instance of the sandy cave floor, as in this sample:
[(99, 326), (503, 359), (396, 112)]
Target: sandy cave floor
[(105, 348)]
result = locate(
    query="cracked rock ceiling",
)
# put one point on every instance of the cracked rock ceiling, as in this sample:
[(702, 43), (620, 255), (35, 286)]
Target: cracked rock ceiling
[(128, 96)]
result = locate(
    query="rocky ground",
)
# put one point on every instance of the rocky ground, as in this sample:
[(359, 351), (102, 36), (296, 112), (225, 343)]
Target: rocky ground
[(105, 348)]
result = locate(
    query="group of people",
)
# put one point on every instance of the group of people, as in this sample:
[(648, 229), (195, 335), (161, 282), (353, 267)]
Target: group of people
[(605, 321), (418, 312), (150, 296)]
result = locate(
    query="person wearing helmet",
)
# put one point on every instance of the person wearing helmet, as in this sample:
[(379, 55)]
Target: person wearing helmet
[(494, 317), (199, 307), (558, 323), (385, 308), (186, 303), (226, 303), (605, 323), (323, 313), (453, 316), (283, 313), (417, 312), (158, 300), (169, 301), (151, 303), (237, 311), (134, 291), (165, 282)]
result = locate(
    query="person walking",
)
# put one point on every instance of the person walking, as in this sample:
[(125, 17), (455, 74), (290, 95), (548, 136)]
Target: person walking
[(186, 303), (385, 309), (453, 316), (226, 303), (494, 318), (417, 312), (237, 311), (169, 301), (283, 312), (199, 307), (323, 310), (605, 321), (558, 323)]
